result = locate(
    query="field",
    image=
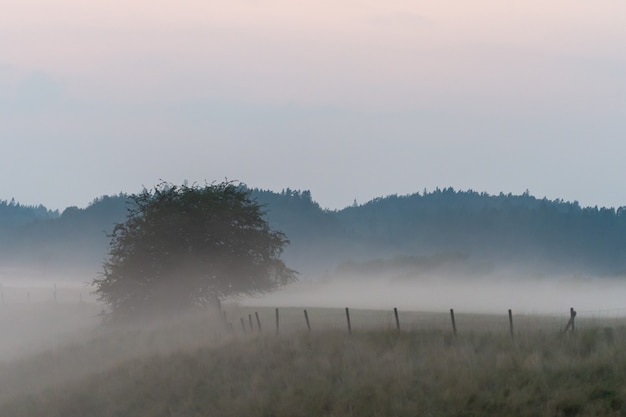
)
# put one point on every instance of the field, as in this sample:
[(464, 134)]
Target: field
[(196, 366)]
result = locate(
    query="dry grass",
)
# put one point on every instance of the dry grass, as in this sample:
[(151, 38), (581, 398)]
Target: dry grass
[(190, 368)]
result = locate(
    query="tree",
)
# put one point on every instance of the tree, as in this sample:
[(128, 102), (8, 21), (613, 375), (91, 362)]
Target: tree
[(186, 246)]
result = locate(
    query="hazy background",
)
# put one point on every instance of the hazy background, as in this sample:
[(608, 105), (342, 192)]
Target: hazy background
[(350, 99)]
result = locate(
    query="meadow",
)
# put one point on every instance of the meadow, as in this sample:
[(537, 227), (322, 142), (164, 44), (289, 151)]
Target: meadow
[(197, 366)]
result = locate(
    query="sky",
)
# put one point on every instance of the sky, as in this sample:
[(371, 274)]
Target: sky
[(350, 99)]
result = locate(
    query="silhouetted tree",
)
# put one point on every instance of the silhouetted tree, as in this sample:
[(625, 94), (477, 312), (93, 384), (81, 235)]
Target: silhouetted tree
[(188, 246)]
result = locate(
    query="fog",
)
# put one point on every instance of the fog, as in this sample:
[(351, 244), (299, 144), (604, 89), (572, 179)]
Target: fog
[(547, 295), (52, 334), (46, 344), (36, 315)]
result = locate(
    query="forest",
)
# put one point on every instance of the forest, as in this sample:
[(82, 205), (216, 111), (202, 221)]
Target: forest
[(472, 231)]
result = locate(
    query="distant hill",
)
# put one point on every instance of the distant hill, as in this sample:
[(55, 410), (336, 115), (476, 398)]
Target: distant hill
[(472, 229), (518, 229), (73, 240), (13, 214)]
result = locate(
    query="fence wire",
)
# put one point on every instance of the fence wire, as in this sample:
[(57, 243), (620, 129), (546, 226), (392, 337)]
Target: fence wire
[(293, 319)]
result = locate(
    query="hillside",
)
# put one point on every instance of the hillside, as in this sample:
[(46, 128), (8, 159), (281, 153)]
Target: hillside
[(522, 231)]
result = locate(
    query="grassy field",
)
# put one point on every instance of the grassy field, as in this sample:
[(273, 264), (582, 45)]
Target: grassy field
[(193, 366)]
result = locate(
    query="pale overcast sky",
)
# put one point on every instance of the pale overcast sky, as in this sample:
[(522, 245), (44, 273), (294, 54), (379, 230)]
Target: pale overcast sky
[(352, 99)]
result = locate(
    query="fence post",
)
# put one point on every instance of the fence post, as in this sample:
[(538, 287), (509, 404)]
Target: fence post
[(306, 317), (219, 305), (453, 321), (395, 312), (226, 324), (258, 321), (570, 323), (511, 324), (250, 322), (277, 323), (243, 324), (348, 319)]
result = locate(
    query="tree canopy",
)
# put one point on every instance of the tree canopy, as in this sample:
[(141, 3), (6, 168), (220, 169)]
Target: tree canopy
[(185, 246)]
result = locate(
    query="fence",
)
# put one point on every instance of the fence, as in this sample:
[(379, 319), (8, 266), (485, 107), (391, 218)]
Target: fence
[(66, 293), (287, 319), (292, 319)]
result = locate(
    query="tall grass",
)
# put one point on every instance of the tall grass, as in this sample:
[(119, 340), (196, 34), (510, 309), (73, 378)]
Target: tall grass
[(329, 373)]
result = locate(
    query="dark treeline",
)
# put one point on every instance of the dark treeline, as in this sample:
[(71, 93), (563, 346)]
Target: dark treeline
[(13, 214), (74, 239), (463, 226), (511, 228)]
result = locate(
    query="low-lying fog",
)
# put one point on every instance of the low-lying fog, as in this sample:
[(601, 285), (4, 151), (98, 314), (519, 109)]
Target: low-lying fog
[(35, 315), (602, 296)]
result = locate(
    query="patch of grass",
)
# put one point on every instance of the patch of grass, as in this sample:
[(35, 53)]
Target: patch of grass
[(180, 370)]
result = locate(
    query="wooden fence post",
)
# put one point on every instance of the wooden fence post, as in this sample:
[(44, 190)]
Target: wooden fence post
[(277, 323), (219, 305), (395, 313), (511, 324), (306, 318), (226, 324), (570, 324), (453, 321), (250, 322), (243, 324), (258, 321), (348, 319)]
